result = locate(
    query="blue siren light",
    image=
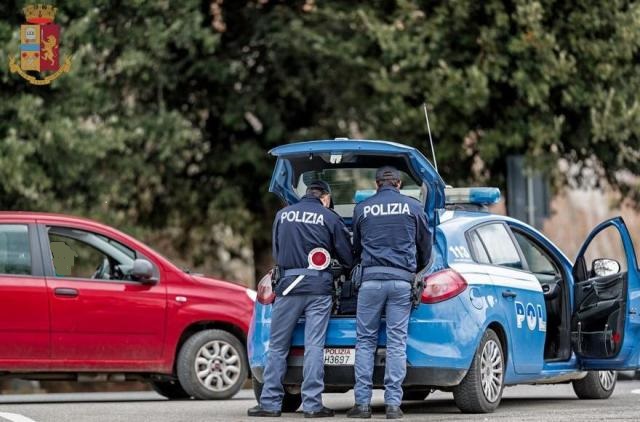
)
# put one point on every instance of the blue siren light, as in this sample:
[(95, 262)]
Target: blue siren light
[(361, 195), (480, 196), (364, 194)]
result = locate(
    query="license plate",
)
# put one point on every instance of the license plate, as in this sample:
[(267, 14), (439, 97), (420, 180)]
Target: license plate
[(336, 357)]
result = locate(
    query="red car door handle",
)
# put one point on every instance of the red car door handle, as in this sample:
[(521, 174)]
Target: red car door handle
[(65, 292)]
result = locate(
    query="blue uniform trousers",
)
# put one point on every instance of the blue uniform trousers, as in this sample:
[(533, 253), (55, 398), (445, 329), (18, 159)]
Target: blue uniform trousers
[(374, 296), (286, 312)]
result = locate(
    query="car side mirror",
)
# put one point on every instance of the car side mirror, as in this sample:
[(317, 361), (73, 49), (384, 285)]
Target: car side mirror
[(143, 272), (604, 266)]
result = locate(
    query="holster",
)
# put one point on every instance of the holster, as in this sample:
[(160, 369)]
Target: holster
[(417, 287), (276, 275)]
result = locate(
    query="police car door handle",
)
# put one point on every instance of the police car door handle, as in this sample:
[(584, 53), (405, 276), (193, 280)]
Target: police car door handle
[(509, 293)]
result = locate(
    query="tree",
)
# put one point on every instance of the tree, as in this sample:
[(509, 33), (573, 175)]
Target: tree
[(164, 123)]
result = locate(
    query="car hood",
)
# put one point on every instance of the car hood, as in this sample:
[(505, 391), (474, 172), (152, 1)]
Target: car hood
[(218, 283)]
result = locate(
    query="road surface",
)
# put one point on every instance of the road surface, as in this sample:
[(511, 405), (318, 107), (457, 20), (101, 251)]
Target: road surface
[(521, 403)]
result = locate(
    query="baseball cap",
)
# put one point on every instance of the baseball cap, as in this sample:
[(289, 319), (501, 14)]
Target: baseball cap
[(320, 185), (387, 173)]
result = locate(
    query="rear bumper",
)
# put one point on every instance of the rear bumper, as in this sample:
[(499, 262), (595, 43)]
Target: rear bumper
[(441, 342), (343, 376)]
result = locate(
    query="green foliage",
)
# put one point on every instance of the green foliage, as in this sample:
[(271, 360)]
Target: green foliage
[(164, 122)]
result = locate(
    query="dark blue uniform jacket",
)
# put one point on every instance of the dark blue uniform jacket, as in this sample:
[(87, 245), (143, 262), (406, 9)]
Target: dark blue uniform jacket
[(391, 230), (301, 227)]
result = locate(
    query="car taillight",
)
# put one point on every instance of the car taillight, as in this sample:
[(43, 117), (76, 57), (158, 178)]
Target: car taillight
[(266, 295), (442, 285)]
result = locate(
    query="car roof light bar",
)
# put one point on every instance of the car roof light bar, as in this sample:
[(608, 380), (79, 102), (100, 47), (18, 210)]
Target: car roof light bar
[(480, 196)]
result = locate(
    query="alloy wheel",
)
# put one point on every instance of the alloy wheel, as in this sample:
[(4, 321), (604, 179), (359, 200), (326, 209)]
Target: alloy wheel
[(218, 365), (607, 379), (491, 371)]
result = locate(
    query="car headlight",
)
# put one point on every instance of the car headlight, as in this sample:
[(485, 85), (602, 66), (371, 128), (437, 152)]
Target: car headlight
[(252, 294)]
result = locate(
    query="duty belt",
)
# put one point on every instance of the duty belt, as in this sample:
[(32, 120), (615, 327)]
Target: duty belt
[(293, 272), (398, 272)]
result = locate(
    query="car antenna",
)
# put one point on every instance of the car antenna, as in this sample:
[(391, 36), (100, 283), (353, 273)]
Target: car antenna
[(433, 151)]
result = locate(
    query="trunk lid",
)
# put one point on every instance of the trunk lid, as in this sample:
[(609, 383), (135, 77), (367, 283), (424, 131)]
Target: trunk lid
[(349, 167)]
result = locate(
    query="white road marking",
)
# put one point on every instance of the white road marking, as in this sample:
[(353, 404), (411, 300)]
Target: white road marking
[(14, 417), (636, 391)]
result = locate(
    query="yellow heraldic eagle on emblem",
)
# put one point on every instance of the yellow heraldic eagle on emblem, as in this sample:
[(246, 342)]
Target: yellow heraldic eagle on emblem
[(39, 46)]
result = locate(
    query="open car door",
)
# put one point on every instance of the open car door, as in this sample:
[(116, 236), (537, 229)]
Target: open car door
[(605, 326), (349, 167)]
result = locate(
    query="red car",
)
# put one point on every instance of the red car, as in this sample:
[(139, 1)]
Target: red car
[(80, 300)]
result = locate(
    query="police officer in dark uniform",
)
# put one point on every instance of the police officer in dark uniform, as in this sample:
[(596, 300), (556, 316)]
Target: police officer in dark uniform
[(297, 230), (392, 240)]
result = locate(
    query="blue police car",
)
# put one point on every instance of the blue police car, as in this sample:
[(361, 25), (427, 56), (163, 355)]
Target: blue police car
[(501, 305)]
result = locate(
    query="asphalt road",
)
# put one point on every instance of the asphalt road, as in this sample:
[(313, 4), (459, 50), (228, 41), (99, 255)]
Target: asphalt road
[(522, 403)]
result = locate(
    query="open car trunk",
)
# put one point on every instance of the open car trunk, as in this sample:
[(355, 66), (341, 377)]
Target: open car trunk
[(349, 167)]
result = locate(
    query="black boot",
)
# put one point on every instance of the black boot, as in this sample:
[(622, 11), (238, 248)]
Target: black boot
[(325, 412), (360, 411), (260, 412), (393, 412)]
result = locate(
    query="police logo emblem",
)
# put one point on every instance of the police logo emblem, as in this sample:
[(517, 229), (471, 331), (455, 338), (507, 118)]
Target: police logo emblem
[(39, 46)]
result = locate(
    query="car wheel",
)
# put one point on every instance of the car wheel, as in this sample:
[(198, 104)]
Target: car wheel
[(212, 365), (596, 385), (170, 389), (415, 394), (480, 391), (290, 402)]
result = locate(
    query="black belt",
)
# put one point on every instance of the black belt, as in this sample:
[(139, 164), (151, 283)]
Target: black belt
[(306, 271), (398, 272)]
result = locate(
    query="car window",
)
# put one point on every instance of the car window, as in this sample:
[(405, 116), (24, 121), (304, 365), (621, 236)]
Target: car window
[(606, 244), (128, 251), (500, 247), (82, 254), (352, 185), (72, 258), (15, 253), (537, 260), (479, 252)]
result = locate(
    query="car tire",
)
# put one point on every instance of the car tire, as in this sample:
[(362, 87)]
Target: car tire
[(290, 402), (470, 395), (212, 365), (597, 385), (415, 394), (170, 389)]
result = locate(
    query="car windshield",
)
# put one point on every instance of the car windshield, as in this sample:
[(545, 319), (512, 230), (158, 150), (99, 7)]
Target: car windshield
[(352, 185)]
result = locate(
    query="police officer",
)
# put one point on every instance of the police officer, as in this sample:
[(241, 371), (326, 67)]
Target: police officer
[(392, 240), (297, 230)]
